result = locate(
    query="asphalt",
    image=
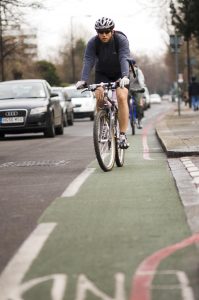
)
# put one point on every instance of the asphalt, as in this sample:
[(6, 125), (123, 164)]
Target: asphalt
[(178, 133)]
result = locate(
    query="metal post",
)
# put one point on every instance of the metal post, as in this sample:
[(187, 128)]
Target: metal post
[(72, 51), (177, 71), (1, 48), (175, 42)]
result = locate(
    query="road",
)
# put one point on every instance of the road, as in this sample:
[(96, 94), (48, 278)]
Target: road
[(34, 171), (121, 235)]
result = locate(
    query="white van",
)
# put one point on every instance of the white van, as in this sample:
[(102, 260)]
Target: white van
[(84, 103)]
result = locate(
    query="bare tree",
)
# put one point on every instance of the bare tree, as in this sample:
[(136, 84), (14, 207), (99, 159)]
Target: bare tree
[(11, 17)]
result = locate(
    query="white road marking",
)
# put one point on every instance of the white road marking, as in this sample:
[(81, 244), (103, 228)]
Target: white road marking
[(184, 285), (74, 186), (146, 154), (85, 285), (14, 272), (58, 286)]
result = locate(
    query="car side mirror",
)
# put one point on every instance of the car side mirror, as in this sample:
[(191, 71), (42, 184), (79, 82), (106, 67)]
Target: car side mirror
[(52, 94)]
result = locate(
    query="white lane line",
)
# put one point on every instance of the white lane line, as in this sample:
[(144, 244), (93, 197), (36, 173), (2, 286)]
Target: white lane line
[(146, 154), (74, 186), (15, 270)]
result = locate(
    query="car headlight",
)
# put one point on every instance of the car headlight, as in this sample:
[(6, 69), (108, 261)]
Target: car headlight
[(38, 110)]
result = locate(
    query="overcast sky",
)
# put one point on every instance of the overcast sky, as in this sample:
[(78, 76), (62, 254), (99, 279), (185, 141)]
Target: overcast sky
[(140, 20)]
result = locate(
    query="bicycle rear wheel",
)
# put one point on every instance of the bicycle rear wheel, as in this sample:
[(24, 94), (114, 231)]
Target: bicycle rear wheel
[(104, 141), (133, 126), (119, 153)]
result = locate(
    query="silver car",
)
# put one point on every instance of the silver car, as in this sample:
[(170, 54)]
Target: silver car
[(84, 102), (66, 104)]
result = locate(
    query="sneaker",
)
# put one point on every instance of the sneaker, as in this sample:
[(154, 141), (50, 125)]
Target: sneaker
[(123, 143), (139, 125)]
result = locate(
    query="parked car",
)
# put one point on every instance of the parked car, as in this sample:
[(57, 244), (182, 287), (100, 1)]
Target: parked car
[(66, 105), (167, 97), (84, 103), (155, 98), (29, 105)]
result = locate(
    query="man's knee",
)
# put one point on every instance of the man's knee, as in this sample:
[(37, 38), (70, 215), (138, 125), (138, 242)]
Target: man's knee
[(122, 94)]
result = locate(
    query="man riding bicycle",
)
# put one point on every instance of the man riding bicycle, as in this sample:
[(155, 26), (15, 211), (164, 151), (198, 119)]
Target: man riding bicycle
[(109, 51), (137, 83)]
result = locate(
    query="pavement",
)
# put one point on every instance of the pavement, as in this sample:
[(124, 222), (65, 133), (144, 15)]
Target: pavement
[(178, 133)]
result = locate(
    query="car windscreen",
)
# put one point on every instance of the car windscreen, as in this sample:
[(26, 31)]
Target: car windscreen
[(18, 90), (73, 93)]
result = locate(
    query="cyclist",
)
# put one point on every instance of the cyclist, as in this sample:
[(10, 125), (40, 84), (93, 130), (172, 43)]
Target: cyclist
[(109, 51), (137, 83)]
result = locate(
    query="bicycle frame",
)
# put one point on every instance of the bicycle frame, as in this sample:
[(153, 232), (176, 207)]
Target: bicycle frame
[(133, 114)]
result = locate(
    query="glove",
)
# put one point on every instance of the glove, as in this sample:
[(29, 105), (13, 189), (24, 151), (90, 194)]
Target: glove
[(124, 81), (80, 84)]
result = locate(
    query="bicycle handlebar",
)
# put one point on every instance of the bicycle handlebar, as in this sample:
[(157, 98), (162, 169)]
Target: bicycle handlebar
[(140, 90), (109, 85)]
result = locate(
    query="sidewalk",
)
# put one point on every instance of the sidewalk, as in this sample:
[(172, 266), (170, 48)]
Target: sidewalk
[(179, 137), (179, 133)]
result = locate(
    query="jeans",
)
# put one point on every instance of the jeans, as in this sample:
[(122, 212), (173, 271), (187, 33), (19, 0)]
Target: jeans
[(195, 102)]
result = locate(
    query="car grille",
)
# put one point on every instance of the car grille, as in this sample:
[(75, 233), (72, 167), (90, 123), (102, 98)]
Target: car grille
[(12, 117)]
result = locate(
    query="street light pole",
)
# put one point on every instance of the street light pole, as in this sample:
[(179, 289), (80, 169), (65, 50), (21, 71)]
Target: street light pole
[(177, 71), (175, 42), (72, 50)]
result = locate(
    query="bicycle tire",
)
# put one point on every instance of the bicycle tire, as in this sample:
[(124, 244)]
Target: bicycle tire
[(133, 127), (119, 153), (104, 147)]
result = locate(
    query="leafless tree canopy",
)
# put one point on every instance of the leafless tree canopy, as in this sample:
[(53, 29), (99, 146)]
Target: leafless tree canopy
[(11, 12)]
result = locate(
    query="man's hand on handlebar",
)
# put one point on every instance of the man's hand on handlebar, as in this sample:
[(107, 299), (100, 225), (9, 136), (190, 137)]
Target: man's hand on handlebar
[(124, 81)]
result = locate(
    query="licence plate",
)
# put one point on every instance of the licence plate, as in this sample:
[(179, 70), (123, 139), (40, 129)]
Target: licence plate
[(12, 120)]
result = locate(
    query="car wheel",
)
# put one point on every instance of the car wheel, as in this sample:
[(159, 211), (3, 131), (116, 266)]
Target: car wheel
[(92, 117), (2, 135), (71, 121), (65, 119), (60, 129), (50, 130)]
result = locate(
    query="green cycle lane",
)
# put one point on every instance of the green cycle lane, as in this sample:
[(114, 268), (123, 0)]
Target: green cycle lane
[(104, 232)]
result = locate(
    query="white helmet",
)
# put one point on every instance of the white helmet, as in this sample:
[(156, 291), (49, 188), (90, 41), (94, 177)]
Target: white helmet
[(104, 23)]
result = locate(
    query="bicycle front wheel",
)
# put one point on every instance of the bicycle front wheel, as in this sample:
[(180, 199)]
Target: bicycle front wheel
[(104, 141), (119, 153)]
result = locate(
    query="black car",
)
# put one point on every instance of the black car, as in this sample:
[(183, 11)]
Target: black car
[(66, 104), (28, 105)]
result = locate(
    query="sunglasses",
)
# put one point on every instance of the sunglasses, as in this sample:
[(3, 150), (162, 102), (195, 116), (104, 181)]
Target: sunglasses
[(106, 31)]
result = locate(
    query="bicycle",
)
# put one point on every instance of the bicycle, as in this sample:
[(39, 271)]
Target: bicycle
[(106, 129), (135, 113)]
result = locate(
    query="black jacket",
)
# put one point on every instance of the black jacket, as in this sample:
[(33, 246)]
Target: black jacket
[(108, 61), (194, 89)]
